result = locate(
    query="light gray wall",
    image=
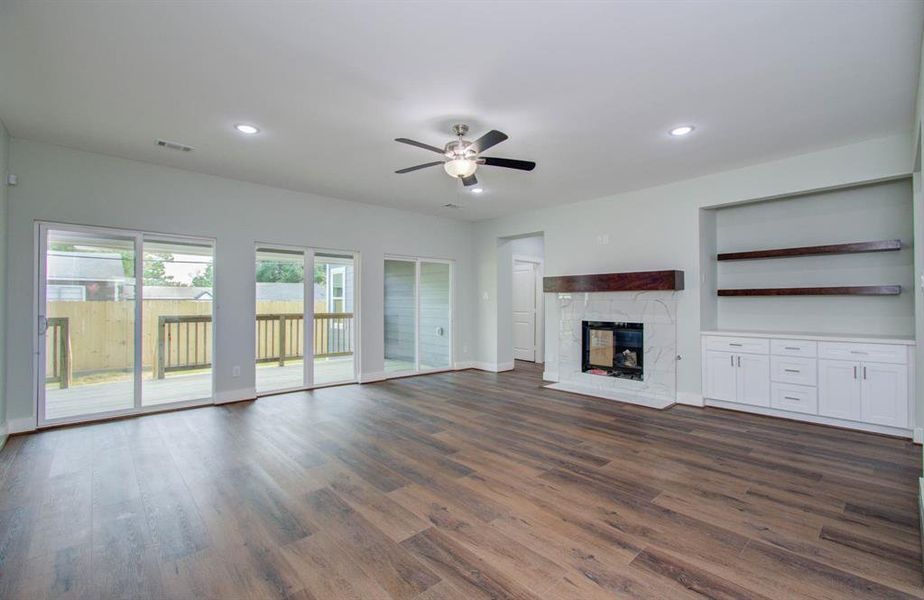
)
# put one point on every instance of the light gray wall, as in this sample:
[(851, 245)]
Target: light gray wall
[(659, 228), (867, 213), (4, 201), (71, 186)]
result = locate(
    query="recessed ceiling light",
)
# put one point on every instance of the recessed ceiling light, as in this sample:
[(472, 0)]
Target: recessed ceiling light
[(248, 129), (477, 190), (682, 130)]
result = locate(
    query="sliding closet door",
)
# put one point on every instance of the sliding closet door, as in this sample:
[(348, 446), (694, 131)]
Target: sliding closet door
[(400, 316), (418, 316), (87, 319), (435, 315)]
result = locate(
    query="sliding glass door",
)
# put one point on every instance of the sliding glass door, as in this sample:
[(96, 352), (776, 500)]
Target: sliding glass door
[(125, 322), (88, 317), (418, 315), (289, 329)]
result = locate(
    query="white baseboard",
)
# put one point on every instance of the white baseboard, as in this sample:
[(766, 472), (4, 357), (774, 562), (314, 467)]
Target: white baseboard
[(817, 419), (20, 425), (373, 377), (690, 399), (461, 366), (228, 396), (493, 367), (918, 436)]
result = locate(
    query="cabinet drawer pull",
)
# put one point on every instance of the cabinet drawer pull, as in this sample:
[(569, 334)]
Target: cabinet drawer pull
[(864, 372), (792, 370), (735, 345), (792, 398), (791, 348), (854, 372), (859, 352)]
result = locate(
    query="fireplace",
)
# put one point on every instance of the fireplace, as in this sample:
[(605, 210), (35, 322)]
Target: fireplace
[(613, 349)]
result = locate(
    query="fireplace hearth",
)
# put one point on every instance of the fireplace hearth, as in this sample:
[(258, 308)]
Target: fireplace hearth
[(613, 349)]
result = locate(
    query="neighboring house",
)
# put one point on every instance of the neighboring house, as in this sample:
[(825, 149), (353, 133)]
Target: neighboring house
[(176, 292), (87, 276)]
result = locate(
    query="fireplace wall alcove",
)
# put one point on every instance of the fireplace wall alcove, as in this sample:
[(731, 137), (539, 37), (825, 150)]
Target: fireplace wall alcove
[(654, 309)]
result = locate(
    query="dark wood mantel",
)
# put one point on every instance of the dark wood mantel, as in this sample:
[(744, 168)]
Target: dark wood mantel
[(639, 281)]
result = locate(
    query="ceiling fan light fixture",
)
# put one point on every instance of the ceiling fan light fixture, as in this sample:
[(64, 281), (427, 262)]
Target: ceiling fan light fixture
[(460, 167)]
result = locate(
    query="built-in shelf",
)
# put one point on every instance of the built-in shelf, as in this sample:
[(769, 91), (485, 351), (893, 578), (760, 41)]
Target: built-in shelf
[(857, 290), (639, 281), (851, 248)]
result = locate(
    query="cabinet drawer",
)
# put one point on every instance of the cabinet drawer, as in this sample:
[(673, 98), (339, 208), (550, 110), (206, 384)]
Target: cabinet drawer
[(738, 344), (794, 398), (793, 369), (882, 353), (794, 348)]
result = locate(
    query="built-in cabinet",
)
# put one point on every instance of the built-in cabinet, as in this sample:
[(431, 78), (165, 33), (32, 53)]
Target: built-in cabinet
[(850, 383)]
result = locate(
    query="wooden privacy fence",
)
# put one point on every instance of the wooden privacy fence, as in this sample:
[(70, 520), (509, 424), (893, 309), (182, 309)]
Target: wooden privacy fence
[(58, 351), (184, 341)]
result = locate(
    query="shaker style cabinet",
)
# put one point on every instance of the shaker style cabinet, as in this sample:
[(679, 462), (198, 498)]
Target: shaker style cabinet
[(857, 384)]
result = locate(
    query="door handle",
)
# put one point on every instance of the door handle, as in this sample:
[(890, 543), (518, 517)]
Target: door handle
[(42, 325)]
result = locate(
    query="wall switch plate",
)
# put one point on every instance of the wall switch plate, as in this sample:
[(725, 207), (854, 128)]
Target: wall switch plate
[(603, 239), (12, 179), (235, 371)]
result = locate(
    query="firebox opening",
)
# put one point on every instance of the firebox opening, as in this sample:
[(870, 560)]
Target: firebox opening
[(614, 349)]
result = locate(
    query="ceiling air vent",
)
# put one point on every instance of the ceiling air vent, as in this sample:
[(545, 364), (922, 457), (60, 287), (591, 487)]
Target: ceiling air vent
[(452, 206), (174, 146)]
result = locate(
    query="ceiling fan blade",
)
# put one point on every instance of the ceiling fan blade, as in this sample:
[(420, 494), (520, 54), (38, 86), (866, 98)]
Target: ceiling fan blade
[(523, 165), (423, 166), (420, 145), (470, 180), (491, 138)]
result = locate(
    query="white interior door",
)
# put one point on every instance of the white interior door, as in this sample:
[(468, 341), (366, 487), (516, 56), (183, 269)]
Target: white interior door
[(524, 310)]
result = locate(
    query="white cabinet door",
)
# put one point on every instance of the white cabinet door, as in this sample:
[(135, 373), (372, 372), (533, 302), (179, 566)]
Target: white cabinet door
[(839, 389), (884, 397), (753, 379), (720, 376)]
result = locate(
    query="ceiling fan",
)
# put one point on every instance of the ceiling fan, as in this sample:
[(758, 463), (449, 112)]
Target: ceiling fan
[(463, 157)]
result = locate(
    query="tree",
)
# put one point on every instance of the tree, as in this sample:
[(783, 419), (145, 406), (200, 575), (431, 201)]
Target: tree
[(155, 273), (286, 272), (204, 278)]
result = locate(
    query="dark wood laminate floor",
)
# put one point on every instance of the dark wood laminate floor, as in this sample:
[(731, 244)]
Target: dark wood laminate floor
[(459, 485)]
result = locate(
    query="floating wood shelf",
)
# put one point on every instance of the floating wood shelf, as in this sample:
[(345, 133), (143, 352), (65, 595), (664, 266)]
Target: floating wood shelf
[(641, 281), (858, 290), (851, 248)]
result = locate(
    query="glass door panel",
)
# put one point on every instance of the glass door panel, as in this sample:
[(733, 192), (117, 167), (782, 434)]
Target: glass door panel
[(177, 292), (400, 316), (334, 331), (89, 308), (280, 340), (434, 341)]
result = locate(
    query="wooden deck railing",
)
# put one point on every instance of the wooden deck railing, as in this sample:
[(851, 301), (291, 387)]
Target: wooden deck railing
[(184, 341), (58, 351)]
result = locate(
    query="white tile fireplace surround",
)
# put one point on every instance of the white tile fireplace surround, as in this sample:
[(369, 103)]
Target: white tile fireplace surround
[(657, 311)]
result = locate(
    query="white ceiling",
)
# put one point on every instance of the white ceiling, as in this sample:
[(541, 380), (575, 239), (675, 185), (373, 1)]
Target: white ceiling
[(587, 90)]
